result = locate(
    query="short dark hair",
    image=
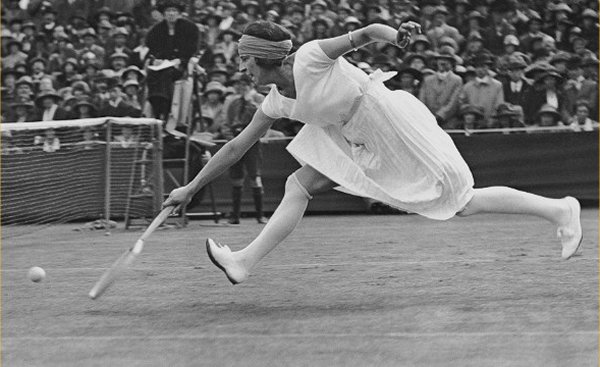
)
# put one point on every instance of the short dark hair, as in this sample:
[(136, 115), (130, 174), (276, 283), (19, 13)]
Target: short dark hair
[(268, 31)]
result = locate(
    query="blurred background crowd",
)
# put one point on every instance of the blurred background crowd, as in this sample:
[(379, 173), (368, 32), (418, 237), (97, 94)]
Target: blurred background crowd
[(478, 64)]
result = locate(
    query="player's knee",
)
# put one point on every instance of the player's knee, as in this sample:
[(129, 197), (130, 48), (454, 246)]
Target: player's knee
[(256, 182), (293, 187)]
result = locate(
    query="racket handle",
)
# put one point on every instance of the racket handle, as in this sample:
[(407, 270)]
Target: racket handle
[(160, 218)]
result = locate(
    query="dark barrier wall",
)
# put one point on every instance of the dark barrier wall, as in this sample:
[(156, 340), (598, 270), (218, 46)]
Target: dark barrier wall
[(551, 164)]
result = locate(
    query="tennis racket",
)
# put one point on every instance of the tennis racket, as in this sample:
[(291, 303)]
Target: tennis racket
[(128, 257)]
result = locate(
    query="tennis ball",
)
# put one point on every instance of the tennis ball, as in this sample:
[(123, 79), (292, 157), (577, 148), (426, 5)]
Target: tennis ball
[(36, 274)]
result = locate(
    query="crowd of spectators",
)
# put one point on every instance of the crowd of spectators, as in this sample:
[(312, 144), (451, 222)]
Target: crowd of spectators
[(478, 64)]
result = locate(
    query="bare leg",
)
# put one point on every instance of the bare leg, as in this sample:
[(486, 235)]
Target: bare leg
[(564, 213), (299, 189)]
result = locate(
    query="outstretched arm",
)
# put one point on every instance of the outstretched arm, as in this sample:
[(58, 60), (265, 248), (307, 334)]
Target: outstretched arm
[(338, 46), (225, 158)]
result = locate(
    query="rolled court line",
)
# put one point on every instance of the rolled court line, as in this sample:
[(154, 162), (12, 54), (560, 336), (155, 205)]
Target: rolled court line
[(321, 265), (478, 334)]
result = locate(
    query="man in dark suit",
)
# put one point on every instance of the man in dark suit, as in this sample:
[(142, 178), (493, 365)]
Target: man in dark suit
[(577, 87), (48, 108), (516, 87)]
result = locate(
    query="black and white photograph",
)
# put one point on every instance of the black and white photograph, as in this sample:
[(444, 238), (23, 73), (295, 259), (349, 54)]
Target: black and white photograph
[(317, 183)]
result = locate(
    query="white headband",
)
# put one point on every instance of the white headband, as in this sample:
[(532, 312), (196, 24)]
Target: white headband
[(262, 48)]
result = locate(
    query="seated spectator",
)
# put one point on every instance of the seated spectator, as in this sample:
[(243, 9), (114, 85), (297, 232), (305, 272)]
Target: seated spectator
[(132, 94), (471, 117), (548, 116), (89, 45), (582, 121), (24, 87), (120, 36), (89, 139), (126, 139), (589, 28), (38, 72), (48, 108), (83, 109), (212, 107), (118, 62), (116, 106), (132, 72), (21, 110), (408, 80), (68, 73), (550, 93), (49, 141), (439, 28), (507, 116)]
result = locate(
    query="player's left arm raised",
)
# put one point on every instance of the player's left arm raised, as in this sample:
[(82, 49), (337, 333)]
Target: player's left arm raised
[(338, 46)]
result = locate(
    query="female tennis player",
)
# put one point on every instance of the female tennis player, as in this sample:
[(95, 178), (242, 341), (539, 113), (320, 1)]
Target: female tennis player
[(360, 138)]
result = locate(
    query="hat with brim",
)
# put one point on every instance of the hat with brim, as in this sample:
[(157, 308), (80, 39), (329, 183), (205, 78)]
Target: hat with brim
[(214, 87), (352, 20), (411, 57), (548, 110), (475, 15), (482, 59), (505, 110), (251, 3), (590, 13), (562, 7), (411, 71), (12, 42), (534, 16), (90, 32), (119, 55), (422, 39), (218, 70), (440, 9), (320, 3), (163, 5), (47, 94), (133, 69), (469, 108), (445, 55), (516, 62), (29, 24), (321, 21), (538, 67), (550, 73), (25, 79), (84, 102), (130, 83), (104, 10), (232, 32), (560, 56)]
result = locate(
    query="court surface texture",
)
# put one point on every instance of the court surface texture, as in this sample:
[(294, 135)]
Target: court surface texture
[(355, 290)]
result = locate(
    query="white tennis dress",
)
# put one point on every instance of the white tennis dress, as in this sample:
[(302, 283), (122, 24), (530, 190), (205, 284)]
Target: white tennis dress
[(373, 142)]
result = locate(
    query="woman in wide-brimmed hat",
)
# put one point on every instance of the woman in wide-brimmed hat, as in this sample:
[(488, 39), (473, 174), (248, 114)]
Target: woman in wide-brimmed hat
[(547, 90), (359, 137), (83, 109), (21, 110), (48, 108)]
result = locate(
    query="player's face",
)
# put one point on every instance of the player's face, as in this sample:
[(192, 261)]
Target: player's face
[(248, 65)]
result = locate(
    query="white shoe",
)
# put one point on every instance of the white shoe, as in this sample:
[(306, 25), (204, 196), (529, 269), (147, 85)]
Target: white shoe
[(222, 257), (570, 235)]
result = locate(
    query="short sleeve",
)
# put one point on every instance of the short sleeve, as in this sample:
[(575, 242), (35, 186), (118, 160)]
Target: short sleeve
[(273, 106), (311, 54)]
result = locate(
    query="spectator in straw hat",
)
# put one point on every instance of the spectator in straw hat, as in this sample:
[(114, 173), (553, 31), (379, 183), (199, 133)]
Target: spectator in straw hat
[(212, 106), (577, 87), (582, 121), (484, 91), (21, 110), (440, 92), (48, 108)]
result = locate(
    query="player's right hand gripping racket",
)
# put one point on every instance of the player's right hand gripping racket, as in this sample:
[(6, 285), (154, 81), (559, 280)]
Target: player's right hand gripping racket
[(128, 257)]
